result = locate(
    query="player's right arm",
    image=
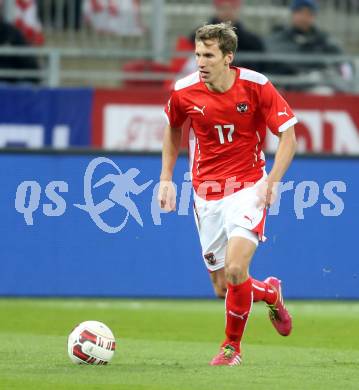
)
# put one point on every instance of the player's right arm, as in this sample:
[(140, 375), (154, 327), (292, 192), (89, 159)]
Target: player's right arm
[(176, 115), (171, 147)]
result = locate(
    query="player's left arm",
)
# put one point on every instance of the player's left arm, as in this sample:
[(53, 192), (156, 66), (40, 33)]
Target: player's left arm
[(281, 120), (283, 157)]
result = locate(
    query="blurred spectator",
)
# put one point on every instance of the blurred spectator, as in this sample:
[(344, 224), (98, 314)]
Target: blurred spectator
[(118, 17), (11, 36), (229, 11), (27, 21), (302, 36)]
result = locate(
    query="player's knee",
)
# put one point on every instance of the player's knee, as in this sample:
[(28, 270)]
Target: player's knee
[(236, 274)]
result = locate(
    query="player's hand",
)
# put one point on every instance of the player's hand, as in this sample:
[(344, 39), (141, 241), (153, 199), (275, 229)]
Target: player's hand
[(267, 193), (167, 195)]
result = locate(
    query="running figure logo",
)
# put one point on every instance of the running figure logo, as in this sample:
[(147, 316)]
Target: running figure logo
[(123, 185)]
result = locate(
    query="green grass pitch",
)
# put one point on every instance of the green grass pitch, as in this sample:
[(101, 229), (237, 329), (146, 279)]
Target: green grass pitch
[(166, 345)]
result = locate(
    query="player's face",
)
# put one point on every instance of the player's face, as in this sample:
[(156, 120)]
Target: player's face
[(211, 61)]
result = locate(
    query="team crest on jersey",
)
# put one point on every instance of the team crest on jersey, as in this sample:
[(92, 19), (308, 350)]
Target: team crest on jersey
[(210, 258), (242, 107)]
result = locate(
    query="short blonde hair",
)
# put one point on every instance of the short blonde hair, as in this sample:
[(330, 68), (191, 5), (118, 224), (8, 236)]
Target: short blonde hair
[(222, 32)]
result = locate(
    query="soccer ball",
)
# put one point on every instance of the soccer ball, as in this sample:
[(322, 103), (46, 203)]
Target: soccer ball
[(91, 342)]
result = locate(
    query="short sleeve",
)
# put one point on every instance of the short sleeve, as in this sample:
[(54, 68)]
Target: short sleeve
[(276, 111), (174, 111)]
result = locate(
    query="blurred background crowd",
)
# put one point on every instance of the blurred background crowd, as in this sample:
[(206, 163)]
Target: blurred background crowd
[(303, 45)]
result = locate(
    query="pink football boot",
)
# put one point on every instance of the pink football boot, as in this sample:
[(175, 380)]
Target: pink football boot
[(278, 313), (228, 356)]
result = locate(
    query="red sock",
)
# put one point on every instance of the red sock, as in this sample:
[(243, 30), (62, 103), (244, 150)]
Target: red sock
[(238, 305), (263, 292)]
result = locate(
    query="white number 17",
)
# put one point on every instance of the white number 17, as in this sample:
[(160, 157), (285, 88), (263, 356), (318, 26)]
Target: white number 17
[(220, 129)]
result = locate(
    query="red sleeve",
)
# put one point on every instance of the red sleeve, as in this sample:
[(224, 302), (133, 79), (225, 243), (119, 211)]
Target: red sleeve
[(175, 111), (277, 113)]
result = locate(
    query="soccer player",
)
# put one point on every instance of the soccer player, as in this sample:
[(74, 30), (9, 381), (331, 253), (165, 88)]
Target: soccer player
[(229, 109)]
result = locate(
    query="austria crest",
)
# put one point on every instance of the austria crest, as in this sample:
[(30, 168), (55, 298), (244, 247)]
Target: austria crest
[(210, 258), (242, 107)]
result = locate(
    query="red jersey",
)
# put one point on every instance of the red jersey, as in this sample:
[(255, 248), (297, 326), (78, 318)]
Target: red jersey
[(228, 129)]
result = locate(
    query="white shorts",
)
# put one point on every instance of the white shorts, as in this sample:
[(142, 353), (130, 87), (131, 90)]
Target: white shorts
[(236, 215)]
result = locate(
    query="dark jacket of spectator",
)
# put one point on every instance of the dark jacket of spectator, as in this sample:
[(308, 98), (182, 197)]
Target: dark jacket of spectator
[(290, 40), (11, 36)]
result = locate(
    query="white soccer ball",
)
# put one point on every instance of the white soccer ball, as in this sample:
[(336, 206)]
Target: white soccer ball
[(91, 342)]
